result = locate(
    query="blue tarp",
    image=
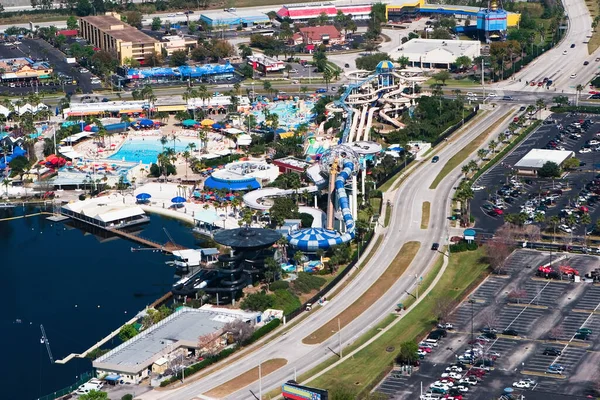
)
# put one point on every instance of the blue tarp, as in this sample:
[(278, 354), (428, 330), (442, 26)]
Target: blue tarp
[(212, 183), (17, 151), (146, 122), (121, 126)]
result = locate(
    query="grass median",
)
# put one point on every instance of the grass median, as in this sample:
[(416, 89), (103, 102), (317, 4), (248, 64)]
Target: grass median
[(378, 288), (365, 368), (425, 211), (246, 378), (462, 155), (594, 41)]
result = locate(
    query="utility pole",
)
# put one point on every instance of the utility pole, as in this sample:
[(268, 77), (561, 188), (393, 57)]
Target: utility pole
[(259, 381), (482, 80), (340, 339)]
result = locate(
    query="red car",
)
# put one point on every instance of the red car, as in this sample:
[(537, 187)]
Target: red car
[(567, 270), (532, 83), (425, 349), (540, 83), (545, 269)]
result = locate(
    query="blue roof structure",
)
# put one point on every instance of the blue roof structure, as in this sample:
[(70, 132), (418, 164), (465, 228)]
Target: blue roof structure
[(244, 184), (384, 66), (183, 71)]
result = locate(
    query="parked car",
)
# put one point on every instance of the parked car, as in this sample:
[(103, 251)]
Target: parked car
[(435, 246), (551, 351), (510, 332)]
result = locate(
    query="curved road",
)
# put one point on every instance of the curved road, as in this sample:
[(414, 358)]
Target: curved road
[(404, 227)]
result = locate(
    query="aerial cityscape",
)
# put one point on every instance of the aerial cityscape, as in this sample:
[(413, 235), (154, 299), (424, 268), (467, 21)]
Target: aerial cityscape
[(327, 200)]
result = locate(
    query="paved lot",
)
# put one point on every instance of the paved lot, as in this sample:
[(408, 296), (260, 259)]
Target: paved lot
[(571, 186), (38, 49), (548, 308)]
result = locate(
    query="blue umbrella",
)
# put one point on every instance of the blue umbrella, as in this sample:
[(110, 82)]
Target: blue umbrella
[(217, 126), (178, 199), (143, 196)]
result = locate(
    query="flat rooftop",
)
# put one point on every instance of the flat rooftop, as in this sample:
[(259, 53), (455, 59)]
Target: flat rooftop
[(422, 46), (227, 15), (181, 329), (536, 158), (119, 29)]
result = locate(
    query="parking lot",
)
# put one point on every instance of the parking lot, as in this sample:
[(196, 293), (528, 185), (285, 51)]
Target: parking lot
[(513, 194), (545, 318)]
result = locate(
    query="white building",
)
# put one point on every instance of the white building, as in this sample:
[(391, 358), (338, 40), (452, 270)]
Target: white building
[(536, 158), (436, 53)]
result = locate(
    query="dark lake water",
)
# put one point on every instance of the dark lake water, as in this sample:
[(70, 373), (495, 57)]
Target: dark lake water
[(79, 286)]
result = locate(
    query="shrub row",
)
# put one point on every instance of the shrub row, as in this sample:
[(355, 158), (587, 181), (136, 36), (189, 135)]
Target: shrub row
[(305, 283), (505, 151), (192, 369), (262, 331), (582, 109), (463, 246)]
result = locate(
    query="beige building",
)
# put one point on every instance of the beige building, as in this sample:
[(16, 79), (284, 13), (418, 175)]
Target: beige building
[(109, 33), (175, 42)]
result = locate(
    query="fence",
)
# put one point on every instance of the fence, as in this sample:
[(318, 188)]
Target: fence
[(86, 376), (455, 127)]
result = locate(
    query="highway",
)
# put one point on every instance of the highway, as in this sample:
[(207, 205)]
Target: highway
[(404, 227)]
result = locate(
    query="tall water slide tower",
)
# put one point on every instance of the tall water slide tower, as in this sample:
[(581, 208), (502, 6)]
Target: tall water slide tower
[(492, 21)]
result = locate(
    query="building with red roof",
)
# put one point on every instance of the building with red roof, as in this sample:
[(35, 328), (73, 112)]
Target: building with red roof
[(317, 35), (307, 11), (68, 32)]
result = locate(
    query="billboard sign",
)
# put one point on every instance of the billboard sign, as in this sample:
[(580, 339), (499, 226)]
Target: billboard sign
[(293, 391)]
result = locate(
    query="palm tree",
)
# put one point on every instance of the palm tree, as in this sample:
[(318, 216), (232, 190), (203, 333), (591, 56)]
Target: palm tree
[(481, 154), (327, 77), (492, 145), (465, 169), (267, 86), (473, 166), (540, 104), (501, 137), (554, 221), (189, 94), (163, 141), (186, 155), (578, 89), (6, 182)]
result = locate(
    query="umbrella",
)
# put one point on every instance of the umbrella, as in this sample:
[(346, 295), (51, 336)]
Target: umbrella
[(145, 122), (189, 122), (87, 128), (207, 122), (196, 194), (217, 126), (143, 196), (178, 199)]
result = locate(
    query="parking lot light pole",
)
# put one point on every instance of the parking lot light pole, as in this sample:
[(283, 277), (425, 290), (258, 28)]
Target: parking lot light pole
[(472, 327)]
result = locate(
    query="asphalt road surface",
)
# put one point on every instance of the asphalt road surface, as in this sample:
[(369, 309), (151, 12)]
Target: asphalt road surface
[(404, 226)]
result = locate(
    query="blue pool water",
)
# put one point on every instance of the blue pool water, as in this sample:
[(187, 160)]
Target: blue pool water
[(146, 150), (289, 115)]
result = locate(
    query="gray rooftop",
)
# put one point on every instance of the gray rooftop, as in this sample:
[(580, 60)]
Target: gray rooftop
[(181, 329)]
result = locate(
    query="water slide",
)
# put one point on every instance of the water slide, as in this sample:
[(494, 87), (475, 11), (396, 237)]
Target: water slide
[(387, 118), (254, 198), (361, 125), (369, 123), (313, 239)]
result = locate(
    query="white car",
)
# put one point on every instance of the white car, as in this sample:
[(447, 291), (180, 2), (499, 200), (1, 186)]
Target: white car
[(454, 368), (439, 385), (585, 150), (470, 94), (170, 15), (565, 228), (477, 188), (462, 389), (84, 70), (573, 76), (521, 385), (293, 71), (421, 353), (492, 95), (453, 375)]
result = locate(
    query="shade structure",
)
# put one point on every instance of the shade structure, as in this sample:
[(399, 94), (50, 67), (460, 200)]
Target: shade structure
[(316, 238), (231, 185), (145, 122), (189, 122), (178, 200), (17, 151), (207, 122), (143, 196), (247, 238), (217, 126)]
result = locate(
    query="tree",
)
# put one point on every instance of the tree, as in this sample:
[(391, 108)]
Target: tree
[(268, 86), (549, 170), (497, 251), (442, 76), (463, 62), (19, 165), (369, 62), (283, 208), (83, 8), (239, 330), (94, 395), (443, 306), (571, 163), (208, 344), (156, 24), (561, 100), (481, 153), (127, 332), (152, 59), (515, 296), (257, 302), (72, 22), (579, 88), (327, 77), (178, 58), (407, 354), (403, 61)]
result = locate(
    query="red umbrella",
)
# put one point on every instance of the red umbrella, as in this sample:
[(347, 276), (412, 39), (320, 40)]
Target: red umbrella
[(113, 145), (87, 128), (100, 150)]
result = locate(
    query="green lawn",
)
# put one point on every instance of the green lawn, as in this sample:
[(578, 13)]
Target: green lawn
[(388, 215), (365, 368), (461, 156), (594, 42), (453, 82)]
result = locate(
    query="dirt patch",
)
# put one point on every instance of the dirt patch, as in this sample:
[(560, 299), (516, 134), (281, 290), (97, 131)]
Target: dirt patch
[(386, 280), (246, 378), (425, 211)]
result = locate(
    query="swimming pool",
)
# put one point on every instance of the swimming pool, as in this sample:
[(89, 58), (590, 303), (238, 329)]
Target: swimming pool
[(291, 113), (146, 150)]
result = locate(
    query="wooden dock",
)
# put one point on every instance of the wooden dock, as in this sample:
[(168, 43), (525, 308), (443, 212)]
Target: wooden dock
[(168, 247)]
